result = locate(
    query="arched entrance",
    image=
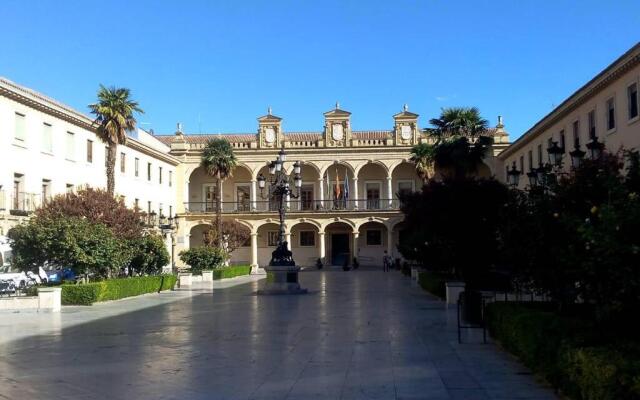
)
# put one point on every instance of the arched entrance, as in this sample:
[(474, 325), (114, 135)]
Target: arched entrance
[(373, 187), (339, 243), (305, 242), (196, 235), (267, 242), (236, 191)]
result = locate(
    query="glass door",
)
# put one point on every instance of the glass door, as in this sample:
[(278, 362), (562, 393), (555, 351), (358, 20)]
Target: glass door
[(243, 197), (373, 195)]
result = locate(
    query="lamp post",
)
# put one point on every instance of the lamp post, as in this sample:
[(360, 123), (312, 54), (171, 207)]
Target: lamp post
[(555, 154), (576, 156), (595, 148), (513, 176), (282, 273)]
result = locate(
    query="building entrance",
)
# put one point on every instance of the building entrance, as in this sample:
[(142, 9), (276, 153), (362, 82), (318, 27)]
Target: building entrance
[(339, 248)]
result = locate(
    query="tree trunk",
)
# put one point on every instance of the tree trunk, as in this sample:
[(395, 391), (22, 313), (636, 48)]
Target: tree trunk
[(219, 211), (110, 167)]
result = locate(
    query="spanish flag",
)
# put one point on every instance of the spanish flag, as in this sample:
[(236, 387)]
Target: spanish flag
[(337, 189)]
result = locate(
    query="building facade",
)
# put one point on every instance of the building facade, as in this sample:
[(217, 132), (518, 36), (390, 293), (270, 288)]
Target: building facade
[(348, 205), (47, 148), (605, 108)]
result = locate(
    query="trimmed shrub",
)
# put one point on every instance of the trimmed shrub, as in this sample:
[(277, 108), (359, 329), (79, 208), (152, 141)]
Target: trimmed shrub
[(114, 289), (231, 272), (203, 258), (433, 283), (565, 352)]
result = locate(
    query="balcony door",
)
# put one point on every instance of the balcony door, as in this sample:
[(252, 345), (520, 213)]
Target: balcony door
[(243, 197), (306, 197), (209, 196), (372, 190)]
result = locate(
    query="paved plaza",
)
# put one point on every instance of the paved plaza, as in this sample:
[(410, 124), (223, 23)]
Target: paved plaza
[(360, 334)]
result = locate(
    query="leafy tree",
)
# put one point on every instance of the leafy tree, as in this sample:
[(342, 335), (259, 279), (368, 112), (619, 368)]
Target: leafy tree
[(218, 161), (114, 118), (84, 246), (150, 255), (97, 206), (203, 258), (449, 232), (234, 235)]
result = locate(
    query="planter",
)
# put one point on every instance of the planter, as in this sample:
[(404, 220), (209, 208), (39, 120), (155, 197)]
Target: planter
[(185, 279), (453, 290), (207, 276)]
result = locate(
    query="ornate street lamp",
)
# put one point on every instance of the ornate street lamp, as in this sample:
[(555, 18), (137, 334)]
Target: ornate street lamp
[(533, 177), (513, 176), (576, 156), (555, 154), (282, 270), (595, 148)]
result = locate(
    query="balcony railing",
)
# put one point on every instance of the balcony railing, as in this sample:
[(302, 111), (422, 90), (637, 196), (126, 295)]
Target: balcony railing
[(297, 205), (23, 203)]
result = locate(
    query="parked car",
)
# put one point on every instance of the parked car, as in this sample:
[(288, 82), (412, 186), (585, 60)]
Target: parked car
[(19, 279), (61, 274)]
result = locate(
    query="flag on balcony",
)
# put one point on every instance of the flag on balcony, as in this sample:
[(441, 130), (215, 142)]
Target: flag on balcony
[(337, 188), (346, 185), (328, 186)]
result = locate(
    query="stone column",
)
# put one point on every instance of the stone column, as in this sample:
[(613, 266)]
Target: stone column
[(186, 199), (321, 192), (287, 238), (321, 254), (355, 251), (253, 194), (355, 192), (389, 191), (254, 252), (390, 245)]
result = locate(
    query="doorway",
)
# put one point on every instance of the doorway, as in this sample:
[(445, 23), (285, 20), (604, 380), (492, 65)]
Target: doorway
[(339, 248)]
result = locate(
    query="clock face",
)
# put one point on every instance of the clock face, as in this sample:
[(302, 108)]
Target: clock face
[(270, 135), (338, 134), (405, 132)]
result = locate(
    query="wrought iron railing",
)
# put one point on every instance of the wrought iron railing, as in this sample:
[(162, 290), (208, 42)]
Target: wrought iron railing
[(23, 202), (296, 205)]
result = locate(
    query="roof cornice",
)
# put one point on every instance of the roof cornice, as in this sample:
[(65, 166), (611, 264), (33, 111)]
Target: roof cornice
[(620, 66)]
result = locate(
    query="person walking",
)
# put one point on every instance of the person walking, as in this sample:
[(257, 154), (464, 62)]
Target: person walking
[(386, 261)]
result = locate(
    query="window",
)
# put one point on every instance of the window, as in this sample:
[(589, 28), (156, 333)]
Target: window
[(272, 238), (160, 210), (89, 151), (47, 138), (18, 195), (69, 188), (170, 178), (307, 238), (170, 211), (374, 237), (562, 140), (405, 187), (70, 148), (21, 127), (576, 134), (160, 175), (632, 99), (540, 155), (521, 164), (123, 162), (148, 207), (611, 114), (137, 167), (591, 120), (136, 204), (46, 190), (148, 171), (530, 159)]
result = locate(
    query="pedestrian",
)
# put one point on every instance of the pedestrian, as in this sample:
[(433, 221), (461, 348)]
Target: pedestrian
[(386, 261)]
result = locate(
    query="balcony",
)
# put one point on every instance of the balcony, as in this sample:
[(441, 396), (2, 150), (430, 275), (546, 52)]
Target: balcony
[(297, 206), (23, 203)]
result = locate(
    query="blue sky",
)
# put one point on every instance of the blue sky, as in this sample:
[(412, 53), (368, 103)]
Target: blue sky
[(216, 66)]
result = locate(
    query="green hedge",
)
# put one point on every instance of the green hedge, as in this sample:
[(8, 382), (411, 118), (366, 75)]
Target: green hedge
[(114, 289), (433, 283), (565, 352), (232, 271)]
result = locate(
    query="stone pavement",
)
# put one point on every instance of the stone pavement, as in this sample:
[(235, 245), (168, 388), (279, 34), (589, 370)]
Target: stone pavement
[(360, 334)]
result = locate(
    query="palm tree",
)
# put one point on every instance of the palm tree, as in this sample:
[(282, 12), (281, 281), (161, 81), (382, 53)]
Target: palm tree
[(422, 156), (114, 118), (461, 140), (218, 161)]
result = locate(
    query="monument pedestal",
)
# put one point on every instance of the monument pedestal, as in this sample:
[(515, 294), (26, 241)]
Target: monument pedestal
[(282, 279)]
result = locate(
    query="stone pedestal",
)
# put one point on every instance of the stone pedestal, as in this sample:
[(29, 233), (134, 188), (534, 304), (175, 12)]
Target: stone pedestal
[(454, 289), (50, 299), (185, 279), (282, 280), (207, 276)]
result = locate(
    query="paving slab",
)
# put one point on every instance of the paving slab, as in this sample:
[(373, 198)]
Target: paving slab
[(361, 334)]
